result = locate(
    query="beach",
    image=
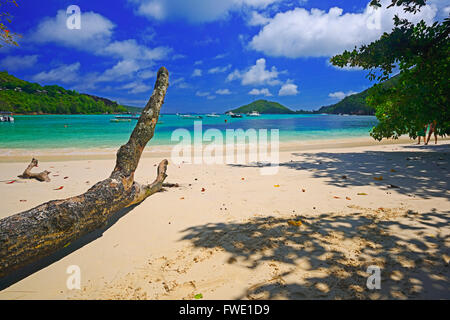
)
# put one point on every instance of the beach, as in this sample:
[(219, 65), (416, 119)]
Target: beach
[(227, 232)]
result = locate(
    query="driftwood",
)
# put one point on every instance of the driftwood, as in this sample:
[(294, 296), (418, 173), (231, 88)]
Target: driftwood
[(41, 176), (36, 233)]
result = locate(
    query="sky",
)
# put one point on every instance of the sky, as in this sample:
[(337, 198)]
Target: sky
[(220, 54)]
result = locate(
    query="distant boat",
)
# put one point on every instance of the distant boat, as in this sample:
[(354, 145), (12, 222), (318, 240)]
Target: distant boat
[(189, 116), (213, 115), (6, 116), (131, 117), (254, 114), (236, 115), (119, 119)]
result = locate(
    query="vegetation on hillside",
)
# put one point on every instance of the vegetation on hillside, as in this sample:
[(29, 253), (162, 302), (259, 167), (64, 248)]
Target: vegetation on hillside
[(19, 96), (356, 103), (264, 107)]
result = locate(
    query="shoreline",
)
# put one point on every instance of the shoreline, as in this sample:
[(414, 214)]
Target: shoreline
[(159, 151)]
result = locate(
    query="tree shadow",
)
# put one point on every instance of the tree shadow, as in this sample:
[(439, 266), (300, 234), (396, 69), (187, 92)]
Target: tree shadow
[(416, 174), (328, 255)]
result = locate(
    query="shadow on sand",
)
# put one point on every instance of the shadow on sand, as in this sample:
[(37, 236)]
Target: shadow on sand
[(418, 174), (328, 255)]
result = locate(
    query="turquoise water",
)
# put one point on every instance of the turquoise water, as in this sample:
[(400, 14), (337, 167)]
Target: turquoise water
[(97, 131)]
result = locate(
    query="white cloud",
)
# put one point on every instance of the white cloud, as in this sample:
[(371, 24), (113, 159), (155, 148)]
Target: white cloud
[(260, 92), (257, 19), (124, 69), (198, 62), (130, 49), (341, 95), (202, 94), (180, 83), (220, 56), (94, 34), (256, 75), (197, 73), (64, 73), (219, 69), (223, 92), (195, 11), (14, 63), (210, 97), (316, 33), (178, 56), (288, 89), (137, 87)]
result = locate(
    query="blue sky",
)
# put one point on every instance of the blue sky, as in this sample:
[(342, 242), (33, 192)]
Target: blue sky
[(220, 54)]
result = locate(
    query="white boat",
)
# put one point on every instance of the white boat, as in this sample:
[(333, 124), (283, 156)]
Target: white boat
[(254, 114), (213, 115), (6, 117), (190, 116)]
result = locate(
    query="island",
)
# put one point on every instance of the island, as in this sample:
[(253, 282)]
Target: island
[(263, 107), (23, 97)]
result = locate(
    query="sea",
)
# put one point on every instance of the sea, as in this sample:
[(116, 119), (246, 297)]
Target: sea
[(98, 131)]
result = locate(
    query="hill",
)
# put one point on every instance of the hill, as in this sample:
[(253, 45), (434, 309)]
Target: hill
[(19, 96), (355, 103), (264, 107)]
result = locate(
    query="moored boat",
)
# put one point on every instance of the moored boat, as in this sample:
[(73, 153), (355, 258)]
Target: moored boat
[(6, 116)]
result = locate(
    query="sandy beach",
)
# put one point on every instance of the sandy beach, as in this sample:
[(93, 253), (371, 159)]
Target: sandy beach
[(308, 232)]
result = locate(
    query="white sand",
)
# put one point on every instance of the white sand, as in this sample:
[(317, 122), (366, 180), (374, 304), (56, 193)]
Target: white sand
[(233, 241)]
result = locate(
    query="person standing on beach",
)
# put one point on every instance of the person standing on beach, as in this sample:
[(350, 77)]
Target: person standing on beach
[(432, 130), (423, 133)]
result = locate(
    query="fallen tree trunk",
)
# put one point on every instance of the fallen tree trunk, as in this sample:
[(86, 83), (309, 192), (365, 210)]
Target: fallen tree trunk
[(36, 233), (41, 176)]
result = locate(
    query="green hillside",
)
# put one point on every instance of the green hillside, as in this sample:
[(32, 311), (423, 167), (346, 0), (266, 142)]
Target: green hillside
[(264, 107), (356, 103), (19, 96)]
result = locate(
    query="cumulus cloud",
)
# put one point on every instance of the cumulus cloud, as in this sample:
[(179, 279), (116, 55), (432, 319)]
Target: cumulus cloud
[(195, 11), (341, 95), (132, 60), (219, 69), (202, 94), (288, 89), (95, 32), (317, 33), (197, 73), (260, 92), (66, 73), (257, 19), (137, 87), (124, 69), (15, 63), (256, 75), (131, 50), (223, 92)]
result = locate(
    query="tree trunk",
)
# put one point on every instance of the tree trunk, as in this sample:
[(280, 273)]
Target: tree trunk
[(41, 176), (36, 233)]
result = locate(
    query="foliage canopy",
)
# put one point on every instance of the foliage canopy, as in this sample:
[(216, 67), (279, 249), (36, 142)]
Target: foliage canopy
[(421, 94)]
